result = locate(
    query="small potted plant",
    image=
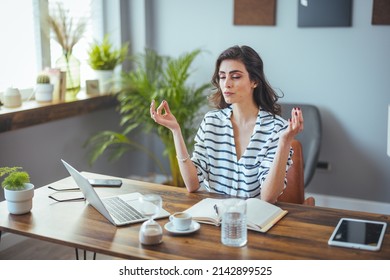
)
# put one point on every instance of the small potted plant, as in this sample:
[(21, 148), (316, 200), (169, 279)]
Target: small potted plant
[(18, 191), (43, 88), (103, 58)]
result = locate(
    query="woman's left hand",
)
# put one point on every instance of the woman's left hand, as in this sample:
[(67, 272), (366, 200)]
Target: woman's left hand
[(295, 124)]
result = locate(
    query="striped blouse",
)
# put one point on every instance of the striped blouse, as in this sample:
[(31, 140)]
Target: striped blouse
[(215, 155)]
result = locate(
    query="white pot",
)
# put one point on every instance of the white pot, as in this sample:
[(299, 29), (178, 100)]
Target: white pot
[(20, 201), (105, 78), (12, 98), (44, 92)]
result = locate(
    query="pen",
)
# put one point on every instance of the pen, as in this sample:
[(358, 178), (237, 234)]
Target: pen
[(216, 209)]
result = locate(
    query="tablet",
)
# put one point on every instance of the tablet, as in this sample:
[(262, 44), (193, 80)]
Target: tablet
[(358, 234)]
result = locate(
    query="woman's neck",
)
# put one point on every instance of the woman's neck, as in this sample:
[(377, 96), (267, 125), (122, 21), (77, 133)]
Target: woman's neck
[(244, 114)]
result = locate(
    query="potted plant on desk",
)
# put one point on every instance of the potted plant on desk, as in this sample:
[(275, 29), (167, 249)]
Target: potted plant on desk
[(18, 191), (103, 58)]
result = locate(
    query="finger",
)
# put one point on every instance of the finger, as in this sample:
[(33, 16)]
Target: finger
[(294, 125), (300, 118), (153, 113), (160, 108), (298, 121), (299, 114), (294, 116), (166, 107), (152, 105)]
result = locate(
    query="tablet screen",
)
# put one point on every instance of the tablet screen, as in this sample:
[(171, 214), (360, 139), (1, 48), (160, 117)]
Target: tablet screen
[(361, 234)]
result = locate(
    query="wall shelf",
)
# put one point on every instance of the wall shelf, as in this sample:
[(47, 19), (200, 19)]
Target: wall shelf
[(33, 113)]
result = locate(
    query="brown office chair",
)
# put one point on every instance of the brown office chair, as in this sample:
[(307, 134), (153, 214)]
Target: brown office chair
[(295, 189)]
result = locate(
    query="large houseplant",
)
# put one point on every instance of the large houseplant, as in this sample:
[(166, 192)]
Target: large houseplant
[(160, 78), (103, 58), (18, 191)]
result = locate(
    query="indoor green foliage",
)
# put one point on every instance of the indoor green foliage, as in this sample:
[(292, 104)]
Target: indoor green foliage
[(103, 56), (160, 78), (15, 179)]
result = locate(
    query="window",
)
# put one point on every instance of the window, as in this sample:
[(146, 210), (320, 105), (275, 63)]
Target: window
[(79, 9), (19, 50)]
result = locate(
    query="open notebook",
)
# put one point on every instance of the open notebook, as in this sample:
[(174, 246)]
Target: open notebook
[(261, 215)]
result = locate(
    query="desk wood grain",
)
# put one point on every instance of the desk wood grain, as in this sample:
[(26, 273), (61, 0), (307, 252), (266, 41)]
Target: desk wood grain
[(302, 234)]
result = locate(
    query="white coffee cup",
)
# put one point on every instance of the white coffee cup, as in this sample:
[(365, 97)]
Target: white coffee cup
[(181, 220)]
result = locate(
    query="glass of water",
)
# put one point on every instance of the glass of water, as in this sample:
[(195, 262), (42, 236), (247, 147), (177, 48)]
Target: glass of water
[(234, 229), (150, 232)]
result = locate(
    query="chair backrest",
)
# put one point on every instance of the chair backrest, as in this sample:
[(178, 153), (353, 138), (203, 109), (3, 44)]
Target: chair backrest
[(310, 137), (295, 189)]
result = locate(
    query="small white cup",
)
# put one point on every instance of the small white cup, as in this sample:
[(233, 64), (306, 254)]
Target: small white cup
[(181, 220)]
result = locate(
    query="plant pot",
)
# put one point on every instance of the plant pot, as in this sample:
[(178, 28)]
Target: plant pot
[(12, 98), (44, 92), (20, 201), (105, 78)]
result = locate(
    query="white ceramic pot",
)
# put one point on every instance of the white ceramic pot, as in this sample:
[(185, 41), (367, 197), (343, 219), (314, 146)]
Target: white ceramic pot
[(12, 98), (20, 201), (105, 78), (44, 92)]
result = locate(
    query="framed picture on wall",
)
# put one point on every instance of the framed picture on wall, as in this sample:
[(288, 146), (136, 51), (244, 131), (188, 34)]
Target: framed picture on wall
[(254, 12), (381, 12), (324, 13)]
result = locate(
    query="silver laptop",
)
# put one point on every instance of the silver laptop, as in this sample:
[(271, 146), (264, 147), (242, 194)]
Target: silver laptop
[(120, 210)]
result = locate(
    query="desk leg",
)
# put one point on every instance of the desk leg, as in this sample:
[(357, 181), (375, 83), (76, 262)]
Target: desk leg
[(85, 254)]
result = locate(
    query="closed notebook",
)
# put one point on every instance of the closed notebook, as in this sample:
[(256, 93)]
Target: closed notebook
[(261, 215)]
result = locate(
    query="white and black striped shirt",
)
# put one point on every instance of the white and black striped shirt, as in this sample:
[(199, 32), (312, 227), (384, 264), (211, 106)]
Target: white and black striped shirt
[(215, 154)]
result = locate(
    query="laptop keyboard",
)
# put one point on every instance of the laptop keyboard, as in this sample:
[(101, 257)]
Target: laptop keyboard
[(121, 210)]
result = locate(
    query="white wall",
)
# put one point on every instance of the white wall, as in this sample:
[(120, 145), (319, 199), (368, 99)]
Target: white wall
[(343, 71)]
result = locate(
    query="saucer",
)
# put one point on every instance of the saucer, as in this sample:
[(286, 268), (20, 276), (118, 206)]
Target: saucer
[(194, 227)]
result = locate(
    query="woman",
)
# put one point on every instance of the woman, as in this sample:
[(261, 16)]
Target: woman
[(243, 148)]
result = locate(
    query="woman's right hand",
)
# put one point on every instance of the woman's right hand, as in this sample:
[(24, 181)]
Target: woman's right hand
[(163, 116)]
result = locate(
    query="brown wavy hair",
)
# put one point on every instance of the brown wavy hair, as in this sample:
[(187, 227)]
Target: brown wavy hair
[(263, 95)]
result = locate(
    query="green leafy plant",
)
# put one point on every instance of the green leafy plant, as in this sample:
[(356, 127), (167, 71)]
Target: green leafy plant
[(15, 178), (103, 56), (160, 78)]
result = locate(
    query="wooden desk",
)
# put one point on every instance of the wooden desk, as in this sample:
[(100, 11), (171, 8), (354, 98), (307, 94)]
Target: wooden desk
[(302, 234)]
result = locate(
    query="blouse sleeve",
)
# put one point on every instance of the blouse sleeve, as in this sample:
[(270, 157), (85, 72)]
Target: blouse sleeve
[(269, 157), (200, 156)]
